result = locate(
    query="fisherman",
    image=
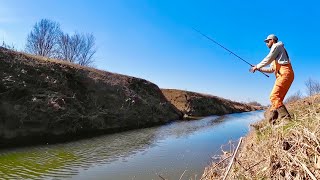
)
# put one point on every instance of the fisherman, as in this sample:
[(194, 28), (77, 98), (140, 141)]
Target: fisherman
[(281, 66)]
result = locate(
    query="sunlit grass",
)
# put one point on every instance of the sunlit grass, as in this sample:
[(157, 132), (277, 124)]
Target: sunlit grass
[(290, 149)]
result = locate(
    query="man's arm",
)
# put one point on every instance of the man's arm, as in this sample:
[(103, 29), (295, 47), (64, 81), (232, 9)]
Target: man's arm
[(271, 69), (267, 70), (274, 51)]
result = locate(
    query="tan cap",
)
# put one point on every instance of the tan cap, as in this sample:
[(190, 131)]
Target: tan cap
[(271, 36)]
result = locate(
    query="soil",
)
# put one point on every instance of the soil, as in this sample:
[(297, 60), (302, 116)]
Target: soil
[(194, 104), (45, 100)]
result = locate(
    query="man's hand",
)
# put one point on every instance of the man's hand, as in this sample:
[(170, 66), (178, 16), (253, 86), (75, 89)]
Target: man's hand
[(253, 69)]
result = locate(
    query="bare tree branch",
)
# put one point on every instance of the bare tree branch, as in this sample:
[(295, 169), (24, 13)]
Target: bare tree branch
[(46, 39), (313, 87), (69, 47), (77, 48), (87, 50), (43, 38)]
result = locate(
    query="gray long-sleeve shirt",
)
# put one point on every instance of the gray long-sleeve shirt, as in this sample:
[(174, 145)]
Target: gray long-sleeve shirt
[(278, 53)]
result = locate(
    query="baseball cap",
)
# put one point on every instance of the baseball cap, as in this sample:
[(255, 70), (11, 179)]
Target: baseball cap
[(271, 36)]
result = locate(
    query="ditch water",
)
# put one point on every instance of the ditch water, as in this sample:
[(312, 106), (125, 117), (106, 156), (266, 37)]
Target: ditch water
[(168, 150)]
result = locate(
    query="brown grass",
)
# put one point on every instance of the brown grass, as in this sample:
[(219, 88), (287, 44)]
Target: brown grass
[(45, 61), (196, 105), (287, 150)]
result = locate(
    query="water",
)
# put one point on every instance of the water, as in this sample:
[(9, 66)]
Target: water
[(167, 150)]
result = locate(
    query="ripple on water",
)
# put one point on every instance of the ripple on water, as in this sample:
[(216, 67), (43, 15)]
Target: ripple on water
[(66, 160)]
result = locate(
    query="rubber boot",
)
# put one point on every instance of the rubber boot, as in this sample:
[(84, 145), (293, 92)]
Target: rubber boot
[(273, 117), (283, 112)]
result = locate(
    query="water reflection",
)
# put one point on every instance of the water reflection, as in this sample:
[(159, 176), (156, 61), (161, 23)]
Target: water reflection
[(64, 160), (138, 154)]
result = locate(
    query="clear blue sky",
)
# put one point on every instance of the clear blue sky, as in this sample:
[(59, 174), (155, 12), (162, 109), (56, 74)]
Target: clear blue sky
[(154, 39)]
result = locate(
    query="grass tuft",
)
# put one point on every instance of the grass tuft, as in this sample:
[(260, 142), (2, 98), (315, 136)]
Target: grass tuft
[(290, 149)]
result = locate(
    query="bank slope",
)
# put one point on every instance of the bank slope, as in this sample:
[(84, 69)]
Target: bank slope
[(287, 150), (197, 105), (45, 100)]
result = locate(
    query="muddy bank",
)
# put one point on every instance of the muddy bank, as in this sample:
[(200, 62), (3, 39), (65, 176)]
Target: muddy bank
[(198, 105), (49, 100)]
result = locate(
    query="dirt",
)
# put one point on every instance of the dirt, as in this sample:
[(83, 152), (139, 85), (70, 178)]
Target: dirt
[(194, 104), (45, 100)]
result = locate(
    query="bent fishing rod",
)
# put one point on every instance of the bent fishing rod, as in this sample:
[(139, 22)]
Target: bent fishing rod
[(226, 49)]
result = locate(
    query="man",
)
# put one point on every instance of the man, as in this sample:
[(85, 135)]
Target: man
[(281, 66)]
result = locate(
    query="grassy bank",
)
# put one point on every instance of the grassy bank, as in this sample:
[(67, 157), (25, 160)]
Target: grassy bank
[(287, 150)]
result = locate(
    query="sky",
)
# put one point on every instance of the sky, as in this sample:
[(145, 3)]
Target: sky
[(155, 39)]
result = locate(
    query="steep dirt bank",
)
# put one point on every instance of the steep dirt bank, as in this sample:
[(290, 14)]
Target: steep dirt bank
[(48, 100), (288, 150), (196, 104)]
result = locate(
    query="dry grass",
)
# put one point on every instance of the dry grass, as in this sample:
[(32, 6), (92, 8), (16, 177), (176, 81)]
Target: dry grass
[(36, 60), (288, 150), (196, 105)]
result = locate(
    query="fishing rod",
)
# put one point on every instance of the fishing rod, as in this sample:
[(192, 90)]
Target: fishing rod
[(227, 49)]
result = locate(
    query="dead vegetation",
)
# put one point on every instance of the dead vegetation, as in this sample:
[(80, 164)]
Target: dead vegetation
[(195, 105), (287, 150), (46, 100)]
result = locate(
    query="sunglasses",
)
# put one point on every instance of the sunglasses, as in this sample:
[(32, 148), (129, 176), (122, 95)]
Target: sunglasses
[(267, 41)]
